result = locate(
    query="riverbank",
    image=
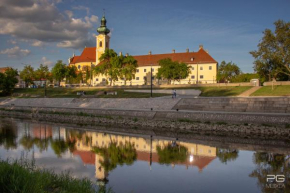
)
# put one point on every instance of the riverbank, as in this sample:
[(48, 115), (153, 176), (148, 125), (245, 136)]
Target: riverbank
[(272, 126)]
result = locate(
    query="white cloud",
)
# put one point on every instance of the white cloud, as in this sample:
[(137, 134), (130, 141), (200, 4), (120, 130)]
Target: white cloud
[(94, 19), (46, 62), (16, 52), (41, 21), (37, 43)]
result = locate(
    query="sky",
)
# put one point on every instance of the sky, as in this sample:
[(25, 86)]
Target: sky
[(43, 31)]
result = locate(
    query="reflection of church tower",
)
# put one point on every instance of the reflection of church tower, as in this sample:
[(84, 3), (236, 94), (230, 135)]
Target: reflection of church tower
[(101, 174), (103, 40)]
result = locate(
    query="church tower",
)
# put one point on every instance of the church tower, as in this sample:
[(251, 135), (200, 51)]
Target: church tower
[(103, 40)]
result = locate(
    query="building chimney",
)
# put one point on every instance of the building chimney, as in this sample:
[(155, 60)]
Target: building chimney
[(201, 46), (150, 53), (127, 54), (120, 54), (173, 51), (187, 50)]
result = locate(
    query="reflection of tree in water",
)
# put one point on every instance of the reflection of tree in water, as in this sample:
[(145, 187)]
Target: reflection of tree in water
[(8, 136), (114, 155), (271, 164), (172, 154), (27, 142), (226, 155), (59, 146)]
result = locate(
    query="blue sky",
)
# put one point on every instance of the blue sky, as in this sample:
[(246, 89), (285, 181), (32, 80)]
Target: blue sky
[(44, 31)]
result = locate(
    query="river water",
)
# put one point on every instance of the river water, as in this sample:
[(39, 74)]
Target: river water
[(147, 163)]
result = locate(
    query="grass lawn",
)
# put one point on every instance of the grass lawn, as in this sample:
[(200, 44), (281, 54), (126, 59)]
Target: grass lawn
[(72, 92), (222, 91), (277, 91)]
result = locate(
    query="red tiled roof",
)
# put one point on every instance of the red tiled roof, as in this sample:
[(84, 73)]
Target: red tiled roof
[(2, 70), (74, 59), (87, 157), (187, 57), (199, 161), (89, 55)]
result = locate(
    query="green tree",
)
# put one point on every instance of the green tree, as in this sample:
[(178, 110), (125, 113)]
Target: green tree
[(109, 65), (8, 135), (271, 164), (116, 155), (227, 71), (272, 59), (42, 73), (128, 69), (59, 71), (226, 155), (59, 146), (8, 81), (245, 77), (71, 73), (27, 74), (172, 154), (171, 70)]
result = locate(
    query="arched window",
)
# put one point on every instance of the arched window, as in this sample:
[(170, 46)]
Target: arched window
[(101, 44)]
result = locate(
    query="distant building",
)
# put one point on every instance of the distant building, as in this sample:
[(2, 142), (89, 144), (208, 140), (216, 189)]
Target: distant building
[(203, 66), (20, 84)]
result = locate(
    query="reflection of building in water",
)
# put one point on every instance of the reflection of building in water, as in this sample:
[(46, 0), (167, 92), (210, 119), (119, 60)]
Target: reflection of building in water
[(198, 155)]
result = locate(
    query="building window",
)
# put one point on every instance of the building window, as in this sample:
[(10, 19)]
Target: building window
[(191, 59), (209, 151), (210, 67), (144, 70), (193, 77), (122, 78), (192, 68), (103, 79), (201, 68), (152, 69), (137, 70), (152, 77), (137, 78), (201, 76), (97, 79), (79, 66), (100, 44), (110, 79)]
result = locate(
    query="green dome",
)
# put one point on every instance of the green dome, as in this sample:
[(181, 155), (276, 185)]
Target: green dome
[(103, 29)]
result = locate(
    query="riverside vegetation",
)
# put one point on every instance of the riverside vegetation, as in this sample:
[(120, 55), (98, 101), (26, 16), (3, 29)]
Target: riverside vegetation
[(23, 176)]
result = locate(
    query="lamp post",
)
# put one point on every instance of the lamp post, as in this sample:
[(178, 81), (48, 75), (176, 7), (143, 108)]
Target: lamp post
[(151, 80), (91, 73), (45, 89)]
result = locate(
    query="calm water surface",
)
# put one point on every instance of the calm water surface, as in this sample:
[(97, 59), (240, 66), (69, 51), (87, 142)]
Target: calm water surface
[(131, 163)]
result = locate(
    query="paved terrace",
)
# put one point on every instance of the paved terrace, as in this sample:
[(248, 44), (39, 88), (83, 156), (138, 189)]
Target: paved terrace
[(199, 104), (95, 103)]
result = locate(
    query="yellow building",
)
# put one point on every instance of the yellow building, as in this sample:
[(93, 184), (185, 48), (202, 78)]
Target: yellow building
[(203, 66)]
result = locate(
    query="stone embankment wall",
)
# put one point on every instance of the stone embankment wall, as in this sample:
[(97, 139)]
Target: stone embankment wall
[(183, 122), (276, 83), (236, 104)]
